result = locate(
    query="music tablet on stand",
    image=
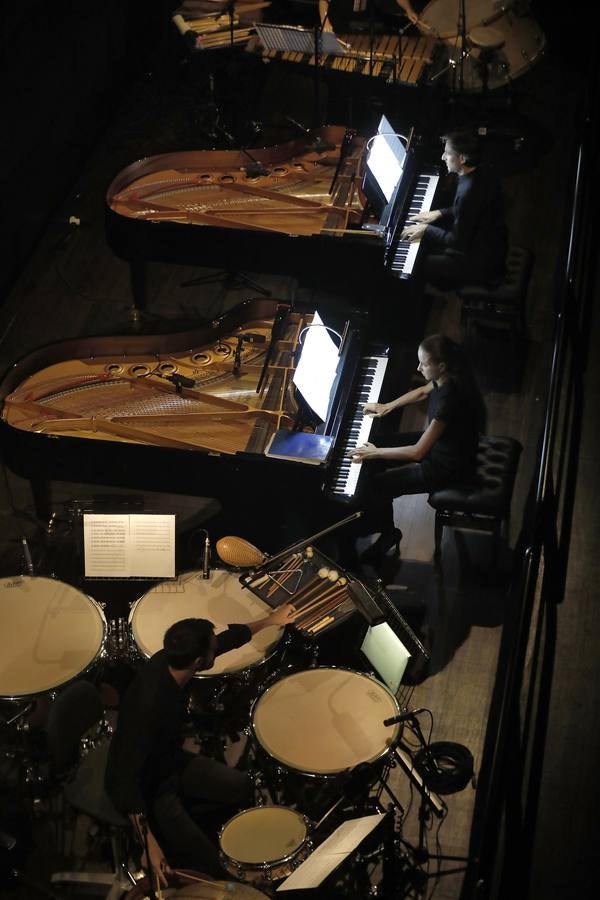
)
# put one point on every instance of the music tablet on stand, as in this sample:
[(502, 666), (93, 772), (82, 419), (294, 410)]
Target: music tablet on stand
[(298, 40)]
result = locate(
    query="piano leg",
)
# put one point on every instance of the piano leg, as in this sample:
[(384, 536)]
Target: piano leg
[(138, 277), (41, 491)]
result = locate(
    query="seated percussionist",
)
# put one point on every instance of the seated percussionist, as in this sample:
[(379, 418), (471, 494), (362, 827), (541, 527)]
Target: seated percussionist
[(149, 776)]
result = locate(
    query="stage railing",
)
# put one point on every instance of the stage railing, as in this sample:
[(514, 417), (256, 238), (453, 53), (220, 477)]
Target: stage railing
[(504, 820)]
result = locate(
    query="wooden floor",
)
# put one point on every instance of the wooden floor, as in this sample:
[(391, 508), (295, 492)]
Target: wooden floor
[(73, 286)]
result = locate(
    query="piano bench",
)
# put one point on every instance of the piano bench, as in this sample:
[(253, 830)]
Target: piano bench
[(501, 305), (484, 504)]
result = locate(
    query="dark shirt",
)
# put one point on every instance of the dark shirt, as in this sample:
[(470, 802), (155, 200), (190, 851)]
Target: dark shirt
[(452, 458), (146, 748), (474, 225)]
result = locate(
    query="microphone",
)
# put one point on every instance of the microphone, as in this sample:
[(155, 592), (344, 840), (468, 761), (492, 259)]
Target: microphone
[(27, 555), (181, 381), (256, 170), (206, 557), (403, 716), (319, 146)]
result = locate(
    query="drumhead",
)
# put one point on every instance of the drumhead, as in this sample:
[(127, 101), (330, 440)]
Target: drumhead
[(221, 599), (50, 633), (262, 835), (325, 720)]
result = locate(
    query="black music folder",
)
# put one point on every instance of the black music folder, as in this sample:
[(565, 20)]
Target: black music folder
[(299, 446)]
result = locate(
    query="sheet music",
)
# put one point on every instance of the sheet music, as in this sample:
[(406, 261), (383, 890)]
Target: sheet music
[(129, 546), (297, 39), (331, 853)]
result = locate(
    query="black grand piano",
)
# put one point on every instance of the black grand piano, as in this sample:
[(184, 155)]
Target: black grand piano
[(198, 412), (326, 209)]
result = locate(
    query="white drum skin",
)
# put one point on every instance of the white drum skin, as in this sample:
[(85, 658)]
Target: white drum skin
[(324, 721), (220, 599), (264, 843), (50, 633)]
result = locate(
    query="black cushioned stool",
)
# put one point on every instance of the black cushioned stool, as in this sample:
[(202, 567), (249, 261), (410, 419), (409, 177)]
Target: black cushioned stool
[(501, 305), (483, 505)]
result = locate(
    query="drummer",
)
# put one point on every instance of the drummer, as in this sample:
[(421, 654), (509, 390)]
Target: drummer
[(149, 777)]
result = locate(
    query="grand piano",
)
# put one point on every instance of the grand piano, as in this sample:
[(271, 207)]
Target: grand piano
[(196, 412), (300, 209)]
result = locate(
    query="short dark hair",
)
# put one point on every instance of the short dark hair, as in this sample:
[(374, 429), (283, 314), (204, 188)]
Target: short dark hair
[(187, 640), (465, 143)]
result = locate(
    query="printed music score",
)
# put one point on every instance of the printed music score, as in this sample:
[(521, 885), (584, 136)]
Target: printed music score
[(129, 546)]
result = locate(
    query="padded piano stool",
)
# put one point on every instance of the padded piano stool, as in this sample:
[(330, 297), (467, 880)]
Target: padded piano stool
[(500, 306), (483, 505)]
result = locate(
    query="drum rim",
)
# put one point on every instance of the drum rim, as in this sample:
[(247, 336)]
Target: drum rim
[(267, 863), (284, 637), (88, 666), (395, 731)]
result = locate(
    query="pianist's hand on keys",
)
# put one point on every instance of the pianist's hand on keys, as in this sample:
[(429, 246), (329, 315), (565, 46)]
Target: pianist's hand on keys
[(415, 226), (377, 410), (365, 451)]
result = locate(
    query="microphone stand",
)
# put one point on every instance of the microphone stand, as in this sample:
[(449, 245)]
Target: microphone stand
[(462, 44), (318, 30)]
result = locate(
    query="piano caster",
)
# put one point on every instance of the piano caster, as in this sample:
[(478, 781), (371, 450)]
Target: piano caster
[(136, 315)]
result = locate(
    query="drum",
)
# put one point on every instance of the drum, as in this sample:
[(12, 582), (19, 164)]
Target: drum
[(222, 600), (512, 41), (186, 884), (264, 844), (50, 634), (325, 721)]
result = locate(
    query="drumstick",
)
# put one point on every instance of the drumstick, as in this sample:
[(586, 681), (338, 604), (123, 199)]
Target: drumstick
[(332, 603), (313, 601), (329, 574), (326, 595), (321, 624), (309, 588), (190, 877)]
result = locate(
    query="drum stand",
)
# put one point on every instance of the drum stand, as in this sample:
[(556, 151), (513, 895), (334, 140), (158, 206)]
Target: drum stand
[(430, 804)]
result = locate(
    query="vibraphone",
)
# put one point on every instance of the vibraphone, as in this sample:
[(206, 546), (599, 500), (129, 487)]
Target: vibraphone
[(310, 581), (392, 58), (221, 29)]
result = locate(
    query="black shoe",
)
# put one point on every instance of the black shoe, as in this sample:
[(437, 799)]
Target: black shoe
[(379, 548)]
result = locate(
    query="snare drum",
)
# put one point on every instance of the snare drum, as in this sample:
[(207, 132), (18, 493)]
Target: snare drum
[(325, 721), (265, 843), (50, 634), (220, 599)]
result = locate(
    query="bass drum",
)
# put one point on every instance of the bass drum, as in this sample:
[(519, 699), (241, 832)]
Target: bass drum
[(503, 41)]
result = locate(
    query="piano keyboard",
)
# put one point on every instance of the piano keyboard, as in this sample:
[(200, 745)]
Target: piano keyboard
[(357, 426), (405, 253)]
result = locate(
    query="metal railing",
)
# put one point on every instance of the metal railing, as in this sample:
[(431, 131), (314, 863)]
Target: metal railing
[(504, 820)]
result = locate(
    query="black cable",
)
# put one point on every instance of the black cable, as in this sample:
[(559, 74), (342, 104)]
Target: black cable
[(445, 767)]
